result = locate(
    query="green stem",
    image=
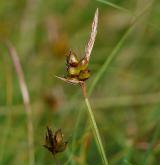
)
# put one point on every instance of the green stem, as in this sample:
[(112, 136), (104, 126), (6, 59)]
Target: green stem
[(96, 132)]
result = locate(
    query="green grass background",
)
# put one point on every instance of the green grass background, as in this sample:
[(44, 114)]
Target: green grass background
[(126, 92)]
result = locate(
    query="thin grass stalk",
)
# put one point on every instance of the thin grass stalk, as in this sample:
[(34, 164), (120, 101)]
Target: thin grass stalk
[(96, 132), (94, 126), (26, 101)]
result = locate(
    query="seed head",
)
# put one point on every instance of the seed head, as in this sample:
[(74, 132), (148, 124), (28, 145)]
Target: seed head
[(77, 70), (55, 142)]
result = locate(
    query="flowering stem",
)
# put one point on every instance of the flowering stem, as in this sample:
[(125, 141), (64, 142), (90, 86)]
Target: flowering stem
[(94, 126)]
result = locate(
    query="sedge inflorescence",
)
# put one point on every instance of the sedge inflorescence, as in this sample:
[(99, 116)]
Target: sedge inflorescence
[(55, 142), (77, 69)]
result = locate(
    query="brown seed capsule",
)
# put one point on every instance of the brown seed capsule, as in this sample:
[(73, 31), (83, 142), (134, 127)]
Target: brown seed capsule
[(84, 75), (60, 145), (72, 59), (73, 71), (83, 64)]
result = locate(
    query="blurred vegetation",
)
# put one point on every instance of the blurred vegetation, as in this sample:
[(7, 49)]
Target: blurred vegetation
[(126, 99)]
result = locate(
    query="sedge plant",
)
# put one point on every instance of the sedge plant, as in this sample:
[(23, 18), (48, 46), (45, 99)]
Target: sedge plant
[(78, 73)]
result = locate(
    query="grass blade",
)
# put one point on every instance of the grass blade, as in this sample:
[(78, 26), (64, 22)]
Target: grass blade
[(114, 5)]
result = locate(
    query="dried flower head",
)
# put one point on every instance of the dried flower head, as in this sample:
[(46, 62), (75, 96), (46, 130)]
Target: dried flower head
[(55, 142), (77, 70)]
